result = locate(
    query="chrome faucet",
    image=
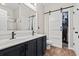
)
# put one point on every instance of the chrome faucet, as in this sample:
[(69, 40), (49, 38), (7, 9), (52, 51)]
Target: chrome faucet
[(33, 32), (13, 34)]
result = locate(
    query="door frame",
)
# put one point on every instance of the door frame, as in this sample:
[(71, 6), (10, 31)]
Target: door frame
[(67, 26), (70, 27)]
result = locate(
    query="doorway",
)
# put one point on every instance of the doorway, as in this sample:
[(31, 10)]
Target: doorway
[(65, 29)]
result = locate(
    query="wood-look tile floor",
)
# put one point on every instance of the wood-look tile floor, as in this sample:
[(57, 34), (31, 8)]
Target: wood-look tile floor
[(54, 51)]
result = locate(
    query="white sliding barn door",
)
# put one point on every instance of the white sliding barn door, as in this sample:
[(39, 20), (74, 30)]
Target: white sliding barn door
[(55, 28)]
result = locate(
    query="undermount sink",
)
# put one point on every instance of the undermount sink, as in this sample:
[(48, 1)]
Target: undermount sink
[(18, 40)]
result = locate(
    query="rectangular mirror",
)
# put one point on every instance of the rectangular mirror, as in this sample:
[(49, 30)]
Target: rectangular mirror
[(17, 17)]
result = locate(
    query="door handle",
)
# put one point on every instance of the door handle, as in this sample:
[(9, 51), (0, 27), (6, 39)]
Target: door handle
[(76, 32), (78, 36)]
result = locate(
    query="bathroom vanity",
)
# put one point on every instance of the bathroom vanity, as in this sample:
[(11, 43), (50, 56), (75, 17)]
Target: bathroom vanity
[(24, 46)]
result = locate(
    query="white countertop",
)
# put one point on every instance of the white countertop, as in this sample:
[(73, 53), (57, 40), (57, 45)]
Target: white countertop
[(8, 43)]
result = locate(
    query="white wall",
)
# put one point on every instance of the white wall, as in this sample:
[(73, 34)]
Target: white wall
[(40, 17)]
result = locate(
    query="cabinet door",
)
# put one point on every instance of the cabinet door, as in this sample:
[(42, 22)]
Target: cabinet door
[(22, 50), (31, 48), (44, 44), (26, 49), (39, 47), (13, 51)]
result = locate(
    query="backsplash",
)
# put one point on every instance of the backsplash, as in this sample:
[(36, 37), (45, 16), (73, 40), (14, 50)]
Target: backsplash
[(22, 33), (8, 34), (5, 35)]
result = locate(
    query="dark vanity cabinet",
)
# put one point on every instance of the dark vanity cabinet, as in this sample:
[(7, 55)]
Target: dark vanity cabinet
[(34, 47), (43, 45), (17, 50), (39, 46), (31, 49)]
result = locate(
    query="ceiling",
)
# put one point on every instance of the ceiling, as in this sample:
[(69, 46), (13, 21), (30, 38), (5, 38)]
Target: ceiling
[(12, 5)]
